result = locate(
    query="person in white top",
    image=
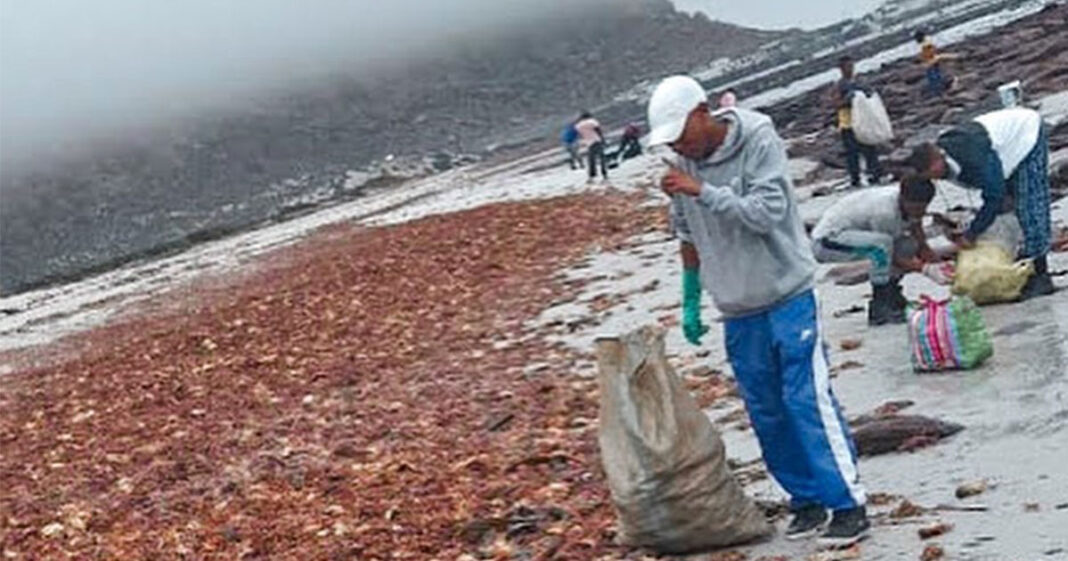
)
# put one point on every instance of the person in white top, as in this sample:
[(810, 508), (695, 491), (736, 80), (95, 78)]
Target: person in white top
[(592, 139), (884, 226), (1004, 154)]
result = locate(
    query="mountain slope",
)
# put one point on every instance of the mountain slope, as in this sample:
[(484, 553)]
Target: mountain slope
[(145, 195)]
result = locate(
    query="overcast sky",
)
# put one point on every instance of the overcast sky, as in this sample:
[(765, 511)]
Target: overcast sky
[(780, 14)]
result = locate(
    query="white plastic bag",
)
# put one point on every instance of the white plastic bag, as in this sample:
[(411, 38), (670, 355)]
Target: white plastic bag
[(1005, 232), (871, 124), (665, 463)]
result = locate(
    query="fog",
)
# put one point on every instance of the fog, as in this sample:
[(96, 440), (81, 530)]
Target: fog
[(78, 70)]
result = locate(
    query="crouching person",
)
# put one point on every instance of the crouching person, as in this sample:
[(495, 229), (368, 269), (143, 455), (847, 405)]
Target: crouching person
[(883, 225)]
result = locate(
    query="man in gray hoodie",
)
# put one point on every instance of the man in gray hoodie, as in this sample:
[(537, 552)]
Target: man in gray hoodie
[(742, 240)]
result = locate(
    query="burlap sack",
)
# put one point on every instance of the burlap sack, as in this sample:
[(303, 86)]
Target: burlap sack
[(665, 462)]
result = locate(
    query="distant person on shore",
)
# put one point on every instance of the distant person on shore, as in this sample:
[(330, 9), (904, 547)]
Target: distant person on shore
[(570, 139), (741, 238), (842, 99), (1005, 155), (937, 82), (727, 99), (630, 144), (589, 130), (883, 225)]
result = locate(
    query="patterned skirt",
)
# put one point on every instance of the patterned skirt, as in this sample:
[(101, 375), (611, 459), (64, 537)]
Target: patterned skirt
[(1030, 185)]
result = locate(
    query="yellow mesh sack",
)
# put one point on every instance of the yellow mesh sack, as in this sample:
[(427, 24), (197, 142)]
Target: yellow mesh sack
[(987, 274)]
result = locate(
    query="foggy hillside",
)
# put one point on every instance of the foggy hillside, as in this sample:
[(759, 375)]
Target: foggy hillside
[(171, 185)]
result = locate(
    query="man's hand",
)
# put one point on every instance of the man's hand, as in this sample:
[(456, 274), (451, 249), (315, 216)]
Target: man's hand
[(912, 264), (941, 273), (962, 241), (927, 255), (676, 181)]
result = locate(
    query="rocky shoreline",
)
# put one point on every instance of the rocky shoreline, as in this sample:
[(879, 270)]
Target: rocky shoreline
[(1033, 50)]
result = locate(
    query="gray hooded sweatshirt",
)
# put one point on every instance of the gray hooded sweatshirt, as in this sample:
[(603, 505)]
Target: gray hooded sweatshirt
[(745, 224)]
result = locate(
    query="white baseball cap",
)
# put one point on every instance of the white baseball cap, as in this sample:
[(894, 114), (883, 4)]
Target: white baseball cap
[(669, 107)]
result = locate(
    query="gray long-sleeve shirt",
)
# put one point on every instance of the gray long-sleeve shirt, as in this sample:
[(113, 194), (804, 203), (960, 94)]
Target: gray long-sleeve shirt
[(745, 223)]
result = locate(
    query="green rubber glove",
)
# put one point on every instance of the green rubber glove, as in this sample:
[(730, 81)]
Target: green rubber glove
[(692, 327)]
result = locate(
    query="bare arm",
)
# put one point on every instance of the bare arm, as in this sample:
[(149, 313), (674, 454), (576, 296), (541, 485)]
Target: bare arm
[(690, 259), (832, 100), (924, 253)]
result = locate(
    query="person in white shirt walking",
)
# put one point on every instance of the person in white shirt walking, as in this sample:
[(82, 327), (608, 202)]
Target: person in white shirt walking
[(592, 139)]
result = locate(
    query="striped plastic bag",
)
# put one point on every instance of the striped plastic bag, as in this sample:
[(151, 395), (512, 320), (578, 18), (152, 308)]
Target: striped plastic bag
[(947, 335)]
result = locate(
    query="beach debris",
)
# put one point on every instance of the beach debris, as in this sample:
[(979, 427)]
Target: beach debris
[(934, 530), (850, 344), (876, 435), (972, 488), (907, 509), (932, 553)]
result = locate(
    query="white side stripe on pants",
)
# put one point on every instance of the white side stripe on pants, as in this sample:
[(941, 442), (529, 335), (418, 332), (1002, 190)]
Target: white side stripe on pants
[(832, 426)]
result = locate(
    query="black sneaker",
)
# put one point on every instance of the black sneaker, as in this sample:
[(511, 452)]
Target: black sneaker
[(808, 521), (847, 527), (1037, 285)]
